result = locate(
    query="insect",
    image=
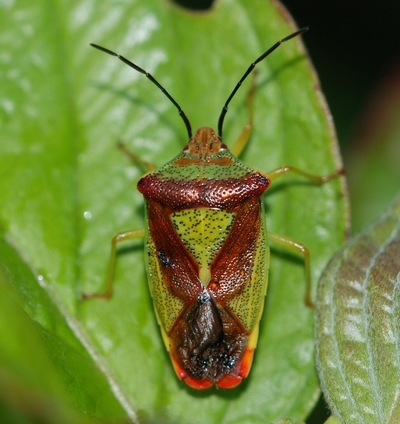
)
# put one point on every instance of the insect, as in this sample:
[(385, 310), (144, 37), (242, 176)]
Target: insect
[(206, 249)]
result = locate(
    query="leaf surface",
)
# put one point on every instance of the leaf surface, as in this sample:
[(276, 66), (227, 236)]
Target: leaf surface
[(67, 189), (358, 324)]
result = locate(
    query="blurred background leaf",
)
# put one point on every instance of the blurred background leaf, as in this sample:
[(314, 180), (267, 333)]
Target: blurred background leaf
[(357, 56)]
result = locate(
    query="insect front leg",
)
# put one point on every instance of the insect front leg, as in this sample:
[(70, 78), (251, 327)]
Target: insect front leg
[(147, 166), (244, 137), (317, 179), (299, 248), (120, 237)]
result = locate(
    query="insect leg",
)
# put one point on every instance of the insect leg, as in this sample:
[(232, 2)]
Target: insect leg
[(124, 236), (302, 249), (283, 170), (244, 137), (288, 242), (147, 166)]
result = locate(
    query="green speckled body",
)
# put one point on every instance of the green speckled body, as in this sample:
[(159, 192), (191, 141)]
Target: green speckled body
[(207, 259)]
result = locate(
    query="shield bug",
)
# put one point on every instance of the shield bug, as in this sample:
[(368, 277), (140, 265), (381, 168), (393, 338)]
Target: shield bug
[(206, 249)]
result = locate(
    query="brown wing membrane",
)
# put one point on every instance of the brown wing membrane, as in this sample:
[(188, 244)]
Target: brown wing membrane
[(206, 342)]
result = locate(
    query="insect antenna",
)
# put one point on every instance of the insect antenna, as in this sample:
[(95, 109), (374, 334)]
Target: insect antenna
[(153, 80), (251, 67)]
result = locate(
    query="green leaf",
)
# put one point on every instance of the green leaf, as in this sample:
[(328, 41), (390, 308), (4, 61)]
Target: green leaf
[(330, 420), (333, 420), (67, 189), (44, 353), (358, 323)]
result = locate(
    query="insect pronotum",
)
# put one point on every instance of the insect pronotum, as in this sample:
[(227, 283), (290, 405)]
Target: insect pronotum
[(206, 249)]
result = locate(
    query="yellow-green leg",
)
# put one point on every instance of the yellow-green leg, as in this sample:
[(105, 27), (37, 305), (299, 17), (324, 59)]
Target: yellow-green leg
[(284, 241), (288, 242), (147, 166), (244, 137), (120, 237), (316, 179), (291, 244)]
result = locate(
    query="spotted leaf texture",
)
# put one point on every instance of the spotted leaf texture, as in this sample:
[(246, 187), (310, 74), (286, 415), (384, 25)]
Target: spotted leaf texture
[(358, 325)]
